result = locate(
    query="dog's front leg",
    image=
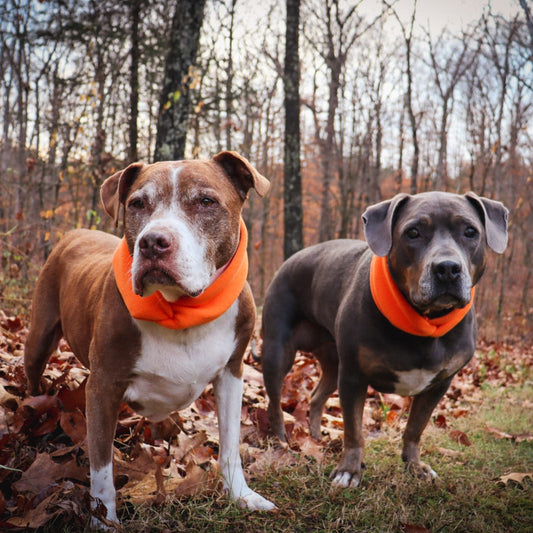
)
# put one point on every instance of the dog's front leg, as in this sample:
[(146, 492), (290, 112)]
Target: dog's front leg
[(352, 395), (423, 405), (228, 394), (103, 402)]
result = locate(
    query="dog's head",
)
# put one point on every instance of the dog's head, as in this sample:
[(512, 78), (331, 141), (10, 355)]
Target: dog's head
[(181, 219), (436, 244)]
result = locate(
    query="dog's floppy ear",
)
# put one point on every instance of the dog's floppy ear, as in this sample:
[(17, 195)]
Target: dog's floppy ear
[(243, 175), (114, 190), (378, 220), (494, 216)]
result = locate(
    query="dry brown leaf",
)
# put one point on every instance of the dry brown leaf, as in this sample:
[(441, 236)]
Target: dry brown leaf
[(8, 400), (392, 418), (312, 448), (411, 528), (271, 458), (446, 452), (197, 480), (44, 471), (38, 516), (440, 421), (74, 425), (73, 399), (521, 437), (395, 401), (517, 477), (186, 444), (460, 437)]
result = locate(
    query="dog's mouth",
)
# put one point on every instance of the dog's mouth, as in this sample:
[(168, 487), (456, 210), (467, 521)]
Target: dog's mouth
[(440, 305), (160, 279), (157, 276)]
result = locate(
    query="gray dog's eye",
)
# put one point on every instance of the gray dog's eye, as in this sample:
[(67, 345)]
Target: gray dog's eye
[(471, 232), (412, 233)]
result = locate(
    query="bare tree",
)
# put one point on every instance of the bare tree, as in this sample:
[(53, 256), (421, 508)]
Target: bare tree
[(229, 79), (174, 103), (455, 62), (408, 41), (293, 216), (341, 29), (499, 45), (529, 20), (135, 20)]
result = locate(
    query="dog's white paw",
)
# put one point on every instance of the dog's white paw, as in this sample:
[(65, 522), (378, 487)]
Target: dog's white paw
[(345, 480), (422, 471), (255, 502)]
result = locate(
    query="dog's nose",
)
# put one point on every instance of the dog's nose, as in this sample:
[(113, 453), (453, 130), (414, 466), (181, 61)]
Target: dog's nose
[(154, 245), (447, 271)]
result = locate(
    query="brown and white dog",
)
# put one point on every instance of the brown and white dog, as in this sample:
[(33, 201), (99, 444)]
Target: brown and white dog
[(182, 235), (395, 313)]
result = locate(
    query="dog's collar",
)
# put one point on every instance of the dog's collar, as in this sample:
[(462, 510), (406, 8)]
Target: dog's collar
[(187, 311), (400, 313)]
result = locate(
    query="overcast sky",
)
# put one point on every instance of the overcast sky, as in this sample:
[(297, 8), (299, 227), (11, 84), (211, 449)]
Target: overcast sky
[(452, 13)]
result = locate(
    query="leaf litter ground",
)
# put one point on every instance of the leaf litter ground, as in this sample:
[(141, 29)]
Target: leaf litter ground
[(44, 464)]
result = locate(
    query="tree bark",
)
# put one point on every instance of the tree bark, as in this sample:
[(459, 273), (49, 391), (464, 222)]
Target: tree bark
[(229, 81), (135, 17), (174, 103), (293, 216)]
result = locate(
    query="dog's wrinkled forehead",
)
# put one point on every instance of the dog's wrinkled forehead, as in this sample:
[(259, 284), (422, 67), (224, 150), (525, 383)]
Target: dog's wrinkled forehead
[(157, 181), (436, 207), (172, 181)]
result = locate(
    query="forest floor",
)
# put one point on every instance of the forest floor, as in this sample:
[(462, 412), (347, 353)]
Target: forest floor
[(479, 441)]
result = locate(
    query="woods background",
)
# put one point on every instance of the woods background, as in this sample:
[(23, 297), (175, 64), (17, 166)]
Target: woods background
[(389, 102)]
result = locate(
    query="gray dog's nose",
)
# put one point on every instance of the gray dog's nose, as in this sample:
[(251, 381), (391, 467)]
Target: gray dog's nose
[(447, 271), (154, 245)]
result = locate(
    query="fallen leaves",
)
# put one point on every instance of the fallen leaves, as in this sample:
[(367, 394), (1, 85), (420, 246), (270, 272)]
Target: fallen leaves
[(44, 457), (411, 528), (521, 437), (460, 437), (515, 477)]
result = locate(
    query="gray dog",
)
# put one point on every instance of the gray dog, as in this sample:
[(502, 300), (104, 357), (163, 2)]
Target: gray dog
[(395, 313)]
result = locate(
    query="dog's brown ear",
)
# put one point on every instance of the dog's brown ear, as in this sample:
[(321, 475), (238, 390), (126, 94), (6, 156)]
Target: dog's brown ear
[(114, 190), (242, 173), (378, 221), (494, 216)]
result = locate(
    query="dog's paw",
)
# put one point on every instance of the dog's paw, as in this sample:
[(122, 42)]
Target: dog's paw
[(255, 502), (422, 471), (345, 480)]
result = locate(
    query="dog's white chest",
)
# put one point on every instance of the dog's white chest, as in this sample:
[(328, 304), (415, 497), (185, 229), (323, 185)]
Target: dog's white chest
[(413, 382), (175, 366)]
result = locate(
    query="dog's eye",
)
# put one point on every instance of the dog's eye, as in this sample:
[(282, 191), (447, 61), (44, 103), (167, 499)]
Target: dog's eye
[(471, 232), (136, 203), (412, 233), (206, 201)]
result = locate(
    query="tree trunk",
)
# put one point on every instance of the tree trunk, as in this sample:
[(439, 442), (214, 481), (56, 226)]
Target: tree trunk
[(135, 17), (412, 118), (440, 179), (175, 99), (326, 223), (229, 81), (293, 237)]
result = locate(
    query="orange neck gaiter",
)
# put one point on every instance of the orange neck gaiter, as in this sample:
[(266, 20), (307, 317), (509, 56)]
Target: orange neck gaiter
[(399, 312), (187, 311)]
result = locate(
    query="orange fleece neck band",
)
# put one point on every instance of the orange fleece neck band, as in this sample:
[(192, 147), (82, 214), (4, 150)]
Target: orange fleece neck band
[(399, 312), (187, 311)]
